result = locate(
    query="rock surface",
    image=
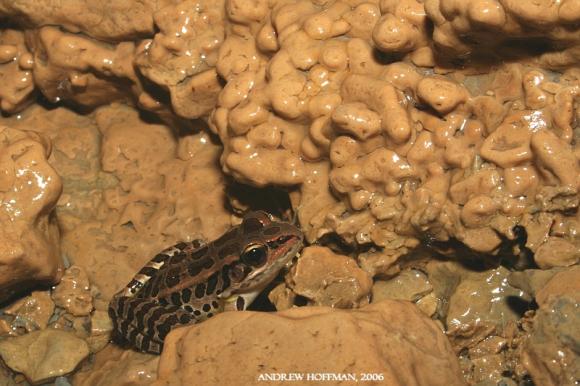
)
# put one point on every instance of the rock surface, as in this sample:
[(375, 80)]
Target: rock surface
[(391, 338), (29, 190), (329, 279), (32, 312), (43, 355), (550, 354), (73, 292)]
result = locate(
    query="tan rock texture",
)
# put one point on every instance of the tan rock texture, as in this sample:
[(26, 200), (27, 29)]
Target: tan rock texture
[(43, 355), (550, 352), (391, 338), (29, 190), (405, 132), (329, 279)]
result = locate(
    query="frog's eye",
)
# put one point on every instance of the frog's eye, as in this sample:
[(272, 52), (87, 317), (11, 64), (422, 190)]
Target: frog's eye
[(255, 255)]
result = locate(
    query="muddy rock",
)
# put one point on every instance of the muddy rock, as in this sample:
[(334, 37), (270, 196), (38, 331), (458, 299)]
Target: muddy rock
[(564, 283), (329, 279), (100, 331), (86, 16), (557, 252), (550, 353), (33, 312), (409, 285), (15, 71), (478, 304), (29, 190), (73, 292), (532, 280), (114, 366), (43, 355), (312, 339)]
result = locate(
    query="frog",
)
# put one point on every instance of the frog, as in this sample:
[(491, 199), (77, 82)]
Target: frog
[(191, 282)]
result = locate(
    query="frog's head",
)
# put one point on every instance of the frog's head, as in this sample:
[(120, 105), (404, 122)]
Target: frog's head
[(265, 246)]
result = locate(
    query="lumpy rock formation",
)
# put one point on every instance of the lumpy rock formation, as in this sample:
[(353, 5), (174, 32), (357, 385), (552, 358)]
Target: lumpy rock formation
[(428, 149)]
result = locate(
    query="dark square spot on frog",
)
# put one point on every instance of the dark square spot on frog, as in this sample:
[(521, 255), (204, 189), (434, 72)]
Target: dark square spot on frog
[(154, 316), (142, 313), (184, 319), (176, 298), (178, 257), (252, 225), (208, 263), (199, 253), (186, 295), (194, 269), (163, 330), (212, 283), (148, 271), (160, 258), (240, 303), (172, 278), (206, 308), (200, 290)]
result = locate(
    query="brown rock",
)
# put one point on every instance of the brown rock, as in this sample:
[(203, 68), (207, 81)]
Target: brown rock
[(100, 334), (29, 190), (478, 302), (181, 56), (329, 279), (43, 355), (562, 283), (409, 285), (73, 292), (550, 353), (34, 311), (15, 71), (557, 252), (88, 16), (391, 338), (115, 366)]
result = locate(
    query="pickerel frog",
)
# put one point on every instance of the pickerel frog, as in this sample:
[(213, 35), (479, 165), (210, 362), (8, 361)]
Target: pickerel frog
[(190, 282)]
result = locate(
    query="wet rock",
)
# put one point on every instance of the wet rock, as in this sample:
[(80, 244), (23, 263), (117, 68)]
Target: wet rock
[(29, 190), (428, 304), (43, 355), (480, 304), (100, 333), (550, 354), (85, 16), (408, 285), (391, 338), (115, 366), (532, 280), (73, 292), (561, 284), (282, 297), (329, 279), (33, 312), (557, 252)]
